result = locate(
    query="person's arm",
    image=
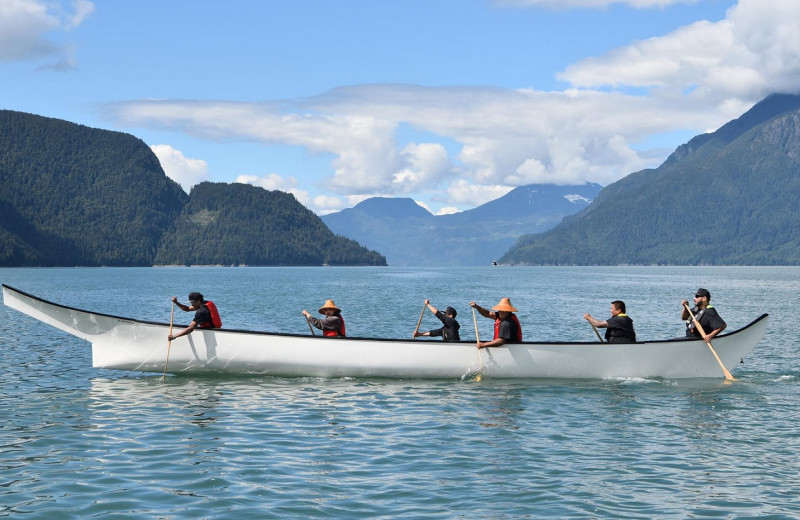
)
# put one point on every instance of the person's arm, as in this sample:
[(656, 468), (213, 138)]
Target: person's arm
[(187, 330), (431, 307), (436, 332), (183, 307), (446, 320), (312, 320), (499, 342), (596, 323), (483, 312), (715, 320), (713, 334), (684, 310)]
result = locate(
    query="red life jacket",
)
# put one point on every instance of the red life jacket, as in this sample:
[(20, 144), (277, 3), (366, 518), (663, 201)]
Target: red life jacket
[(216, 321), (497, 327), (340, 332)]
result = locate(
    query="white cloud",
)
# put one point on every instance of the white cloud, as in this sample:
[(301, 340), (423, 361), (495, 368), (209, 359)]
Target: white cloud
[(83, 9), (27, 25), (692, 79), (425, 163), (754, 51), (181, 169), (463, 192), (447, 210), (324, 204)]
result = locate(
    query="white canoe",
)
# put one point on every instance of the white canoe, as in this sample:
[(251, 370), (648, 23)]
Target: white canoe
[(129, 344)]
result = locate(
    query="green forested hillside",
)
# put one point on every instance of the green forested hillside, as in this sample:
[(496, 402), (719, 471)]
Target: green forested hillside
[(242, 224), (73, 195), (726, 198)]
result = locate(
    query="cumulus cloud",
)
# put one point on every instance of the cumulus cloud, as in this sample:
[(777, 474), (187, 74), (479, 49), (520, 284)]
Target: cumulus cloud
[(26, 27), (463, 192), (754, 51), (325, 204), (181, 169), (693, 79)]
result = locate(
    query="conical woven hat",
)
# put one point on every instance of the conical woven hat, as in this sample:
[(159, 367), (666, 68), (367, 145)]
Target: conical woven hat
[(329, 305), (504, 305)]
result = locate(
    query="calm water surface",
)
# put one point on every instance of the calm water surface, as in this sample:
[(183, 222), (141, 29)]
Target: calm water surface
[(78, 442)]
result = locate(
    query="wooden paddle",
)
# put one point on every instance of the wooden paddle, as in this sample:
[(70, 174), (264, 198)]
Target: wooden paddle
[(414, 336), (308, 320), (169, 342), (595, 331), (478, 344), (725, 371)]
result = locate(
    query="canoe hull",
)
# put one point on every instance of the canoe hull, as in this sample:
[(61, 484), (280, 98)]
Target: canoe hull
[(127, 344)]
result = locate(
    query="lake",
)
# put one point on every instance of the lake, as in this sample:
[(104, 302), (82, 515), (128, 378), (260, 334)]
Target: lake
[(78, 442)]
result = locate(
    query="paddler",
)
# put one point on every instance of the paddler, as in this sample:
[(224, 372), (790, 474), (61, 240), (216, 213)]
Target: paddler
[(204, 316), (619, 327), (449, 329), (506, 325), (332, 325), (705, 314)]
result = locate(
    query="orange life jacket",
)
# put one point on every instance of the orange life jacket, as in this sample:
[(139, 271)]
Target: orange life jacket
[(216, 321), (331, 333)]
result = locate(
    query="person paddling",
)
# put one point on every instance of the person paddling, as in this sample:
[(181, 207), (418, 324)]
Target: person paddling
[(619, 327), (206, 315), (710, 321), (332, 325), (449, 329), (506, 325)]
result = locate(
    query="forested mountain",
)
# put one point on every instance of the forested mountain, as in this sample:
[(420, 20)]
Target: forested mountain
[(73, 195), (242, 224), (724, 198), (410, 235)]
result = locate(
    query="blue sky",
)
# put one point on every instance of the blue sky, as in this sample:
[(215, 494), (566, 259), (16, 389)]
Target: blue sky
[(452, 103)]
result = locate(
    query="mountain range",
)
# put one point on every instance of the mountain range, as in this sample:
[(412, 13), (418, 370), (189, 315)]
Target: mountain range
[(724, 198), (409, 235), (71, 195)]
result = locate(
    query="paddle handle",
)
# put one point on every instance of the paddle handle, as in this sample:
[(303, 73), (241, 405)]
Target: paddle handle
[(308, 321), (725, 371), (414, 336), (475, 321), (596, 332)]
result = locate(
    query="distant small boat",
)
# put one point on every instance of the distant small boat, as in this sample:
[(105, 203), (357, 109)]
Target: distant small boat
[(494, 263), (130, 344)]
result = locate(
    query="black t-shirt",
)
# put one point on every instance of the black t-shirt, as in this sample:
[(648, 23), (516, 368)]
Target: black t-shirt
[(709, 319), (202, 317), (507, 329)]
